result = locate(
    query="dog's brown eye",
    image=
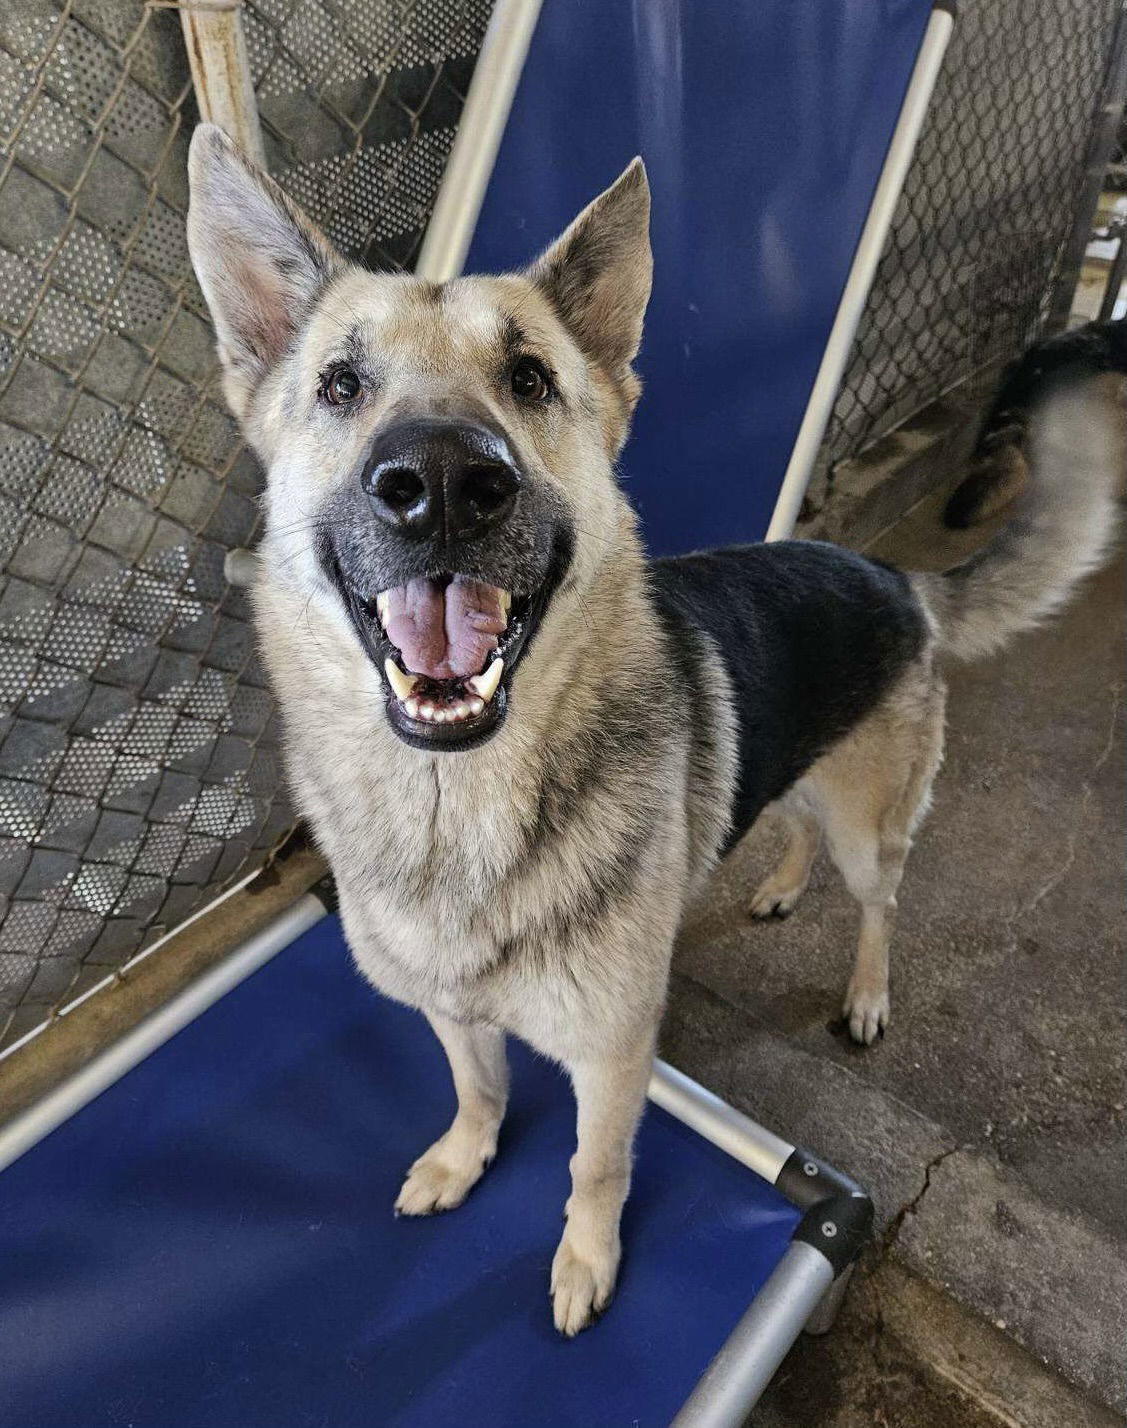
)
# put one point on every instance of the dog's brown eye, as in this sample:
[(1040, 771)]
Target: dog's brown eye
[(342, 386), (530, 381)]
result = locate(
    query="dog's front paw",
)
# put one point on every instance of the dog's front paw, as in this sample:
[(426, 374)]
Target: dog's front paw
[(443, 1177), (775, 898), (582, 1285), (866, 1009)]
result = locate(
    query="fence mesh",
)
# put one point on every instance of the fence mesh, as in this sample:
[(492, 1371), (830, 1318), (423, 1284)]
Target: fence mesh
[(139, 765), (977, 239)]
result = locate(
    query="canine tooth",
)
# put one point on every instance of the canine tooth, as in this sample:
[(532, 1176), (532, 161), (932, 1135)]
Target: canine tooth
[(383, 604), (412, 708), (486, 684), (402, 684), (476, 705), (505, 600)]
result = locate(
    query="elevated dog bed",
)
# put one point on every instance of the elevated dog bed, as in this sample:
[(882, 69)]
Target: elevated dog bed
[(211, 1239)]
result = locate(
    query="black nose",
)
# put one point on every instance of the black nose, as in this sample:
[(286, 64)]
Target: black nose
[(455, 480)]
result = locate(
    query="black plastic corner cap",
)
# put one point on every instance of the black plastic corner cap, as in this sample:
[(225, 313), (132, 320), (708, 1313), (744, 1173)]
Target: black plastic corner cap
[(806, 1180), (839, 1228), (950, 6), (838, 1218)]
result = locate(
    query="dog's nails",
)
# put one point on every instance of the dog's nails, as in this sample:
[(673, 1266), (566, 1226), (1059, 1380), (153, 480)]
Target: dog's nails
[(402, 684), (486, 684)]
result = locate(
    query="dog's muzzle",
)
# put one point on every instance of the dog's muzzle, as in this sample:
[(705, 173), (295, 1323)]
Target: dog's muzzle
[(446, 570)]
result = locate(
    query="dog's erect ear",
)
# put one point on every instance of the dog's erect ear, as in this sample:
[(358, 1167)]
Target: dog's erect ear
[(260, 262), (597, 274)]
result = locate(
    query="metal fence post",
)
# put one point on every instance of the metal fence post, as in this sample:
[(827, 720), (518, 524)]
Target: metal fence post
[(1105, 128)]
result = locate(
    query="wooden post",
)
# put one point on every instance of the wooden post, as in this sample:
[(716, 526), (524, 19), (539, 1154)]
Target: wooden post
[(217, 54)]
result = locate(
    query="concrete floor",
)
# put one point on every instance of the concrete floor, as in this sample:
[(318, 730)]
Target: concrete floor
[(989, 1120)]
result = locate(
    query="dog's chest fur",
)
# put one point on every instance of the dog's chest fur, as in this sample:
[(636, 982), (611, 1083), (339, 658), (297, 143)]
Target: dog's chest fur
[(528, 880), (536, 882)]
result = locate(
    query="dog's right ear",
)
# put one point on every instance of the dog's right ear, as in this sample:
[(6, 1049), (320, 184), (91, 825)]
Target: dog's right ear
[(260, 262)]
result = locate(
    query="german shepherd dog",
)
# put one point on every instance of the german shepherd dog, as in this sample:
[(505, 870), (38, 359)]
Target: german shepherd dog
[(522, 745)]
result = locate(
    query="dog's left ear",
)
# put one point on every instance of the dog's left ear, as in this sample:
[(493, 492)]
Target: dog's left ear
[(597, 274), (260, 262)]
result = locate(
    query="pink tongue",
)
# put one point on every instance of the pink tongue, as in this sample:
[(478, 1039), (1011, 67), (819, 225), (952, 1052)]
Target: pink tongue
[(445, 634)]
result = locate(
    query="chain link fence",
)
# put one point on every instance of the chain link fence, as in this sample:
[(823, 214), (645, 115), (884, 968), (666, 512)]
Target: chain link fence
[(977, 241), (139, 762)]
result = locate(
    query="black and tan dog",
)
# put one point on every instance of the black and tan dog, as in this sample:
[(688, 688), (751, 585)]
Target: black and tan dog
[(522, 745)]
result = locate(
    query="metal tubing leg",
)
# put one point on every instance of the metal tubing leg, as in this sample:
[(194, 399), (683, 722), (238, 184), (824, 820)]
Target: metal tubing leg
[(742, 1369), (823, 1317)]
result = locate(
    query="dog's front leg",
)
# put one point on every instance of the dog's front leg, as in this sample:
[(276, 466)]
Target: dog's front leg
[(443, 1176), (609, 1093)]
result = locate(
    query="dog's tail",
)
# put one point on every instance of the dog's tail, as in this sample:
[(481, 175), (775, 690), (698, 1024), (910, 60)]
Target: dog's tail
[(1057, 411)]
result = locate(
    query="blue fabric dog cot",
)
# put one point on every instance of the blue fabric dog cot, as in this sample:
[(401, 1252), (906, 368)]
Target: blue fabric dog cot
[(210, 1240)]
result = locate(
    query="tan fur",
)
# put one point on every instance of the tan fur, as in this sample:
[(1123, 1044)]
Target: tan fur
[(867, 795), (1000, 478), (1062, 527)]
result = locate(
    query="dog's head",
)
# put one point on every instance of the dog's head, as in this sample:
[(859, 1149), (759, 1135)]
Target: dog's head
[(439, 456)]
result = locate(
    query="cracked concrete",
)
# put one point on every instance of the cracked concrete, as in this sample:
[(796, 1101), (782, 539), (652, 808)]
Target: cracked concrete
[(900, 1356), (1045, 1276), (989, 1121)]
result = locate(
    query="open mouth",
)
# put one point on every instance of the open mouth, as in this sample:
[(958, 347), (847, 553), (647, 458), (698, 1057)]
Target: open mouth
[(447, 647)]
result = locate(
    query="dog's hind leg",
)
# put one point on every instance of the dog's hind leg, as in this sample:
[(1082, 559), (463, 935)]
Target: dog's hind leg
[(443, 1176), (872, 790), (871, 855), (777, 895), (609, 1094)]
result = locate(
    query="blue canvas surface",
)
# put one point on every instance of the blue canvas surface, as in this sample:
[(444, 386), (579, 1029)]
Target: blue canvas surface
[(211, 1241), (764, 125)]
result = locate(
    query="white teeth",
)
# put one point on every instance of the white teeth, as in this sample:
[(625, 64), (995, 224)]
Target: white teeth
[(505, 600), (403, 685), (431, 713), (383, 603), (486, 684)]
